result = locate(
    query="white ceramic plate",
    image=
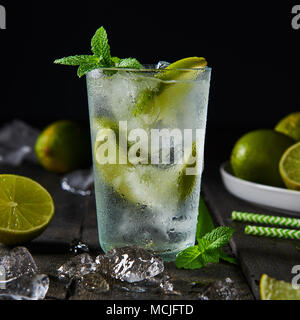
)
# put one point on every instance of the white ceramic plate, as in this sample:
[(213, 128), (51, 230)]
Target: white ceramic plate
[(259, 194)]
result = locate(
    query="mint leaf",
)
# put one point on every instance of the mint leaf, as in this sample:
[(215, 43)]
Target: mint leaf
[(219, 237), (115, 60), (205, 223), (100, 46), (189, 258), (85, 68), (208, 250), (226, 258), (101, 57), (130, 63), (77, 60), (210, 256)]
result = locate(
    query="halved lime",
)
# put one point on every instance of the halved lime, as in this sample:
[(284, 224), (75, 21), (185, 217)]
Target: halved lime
[(26, 208), (289, 167), (272, 289), (144, 183)]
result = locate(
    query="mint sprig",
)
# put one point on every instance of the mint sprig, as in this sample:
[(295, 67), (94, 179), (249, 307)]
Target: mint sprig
[(101, 57), (208, 250)]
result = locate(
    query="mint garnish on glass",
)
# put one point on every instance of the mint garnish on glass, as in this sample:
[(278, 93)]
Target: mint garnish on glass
[(101, 57), (208, 250)]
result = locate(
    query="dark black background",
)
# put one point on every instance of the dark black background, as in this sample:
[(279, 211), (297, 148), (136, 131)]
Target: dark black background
[(251, 47)]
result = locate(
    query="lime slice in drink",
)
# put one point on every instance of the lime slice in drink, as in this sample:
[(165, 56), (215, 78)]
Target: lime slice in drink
[(175, 84), (143, 183), (26, 209), (272, 289), (289, 167)]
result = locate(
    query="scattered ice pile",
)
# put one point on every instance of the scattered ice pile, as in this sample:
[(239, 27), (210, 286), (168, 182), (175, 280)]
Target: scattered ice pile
[(17, 140), (131, 264), (221, 290), (130, 269), (19, 275)]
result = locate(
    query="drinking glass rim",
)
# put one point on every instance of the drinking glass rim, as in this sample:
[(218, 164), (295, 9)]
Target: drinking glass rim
[(150, 69)]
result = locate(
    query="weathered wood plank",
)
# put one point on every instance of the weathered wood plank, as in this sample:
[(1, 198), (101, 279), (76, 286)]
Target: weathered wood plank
[(257, 255)]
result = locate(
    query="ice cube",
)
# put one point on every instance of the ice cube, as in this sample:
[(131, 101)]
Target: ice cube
[(91, 283), (78, 247), (221, 290), (16, 262), (77, 267), (17, 140), (78, 182), (19, 278), (131, 264), (26, 287), (162, 64)]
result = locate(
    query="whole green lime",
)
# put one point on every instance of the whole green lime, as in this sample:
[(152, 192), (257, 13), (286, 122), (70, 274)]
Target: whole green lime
[(256, 155), (63, 146), (290, 125)]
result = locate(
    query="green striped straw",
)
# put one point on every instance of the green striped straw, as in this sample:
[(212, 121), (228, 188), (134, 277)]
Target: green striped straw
[(265, 219), (273, 232)]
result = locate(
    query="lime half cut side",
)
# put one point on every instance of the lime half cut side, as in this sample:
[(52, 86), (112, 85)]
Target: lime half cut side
[(26, 209), (272, 289), (289, 167)]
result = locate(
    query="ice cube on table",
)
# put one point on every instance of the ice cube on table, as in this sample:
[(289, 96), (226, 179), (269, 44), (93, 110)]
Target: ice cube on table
[(17, 141), (78, 182), (91, 283), (19, 277), (131, 264), (78, 247), (16, 262), (26, 287), (221, 290), (77, 267)]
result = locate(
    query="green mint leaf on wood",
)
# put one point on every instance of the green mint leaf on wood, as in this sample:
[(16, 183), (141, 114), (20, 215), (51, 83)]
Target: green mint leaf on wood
[(224, 256), (219, 237), (189, 258), (208, 250)]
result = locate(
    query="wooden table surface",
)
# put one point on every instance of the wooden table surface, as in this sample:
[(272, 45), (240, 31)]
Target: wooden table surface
[(75, 218)]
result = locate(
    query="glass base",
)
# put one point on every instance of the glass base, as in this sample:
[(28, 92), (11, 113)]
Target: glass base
[(167, 256)]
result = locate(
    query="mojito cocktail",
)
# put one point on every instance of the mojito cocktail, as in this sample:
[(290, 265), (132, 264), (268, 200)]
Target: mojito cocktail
[(148, 128)]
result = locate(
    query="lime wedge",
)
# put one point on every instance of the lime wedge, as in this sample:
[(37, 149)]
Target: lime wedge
[(289, 167), (272, 289), (26, 209), (168, 92), (145, 184), (181, 69)]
